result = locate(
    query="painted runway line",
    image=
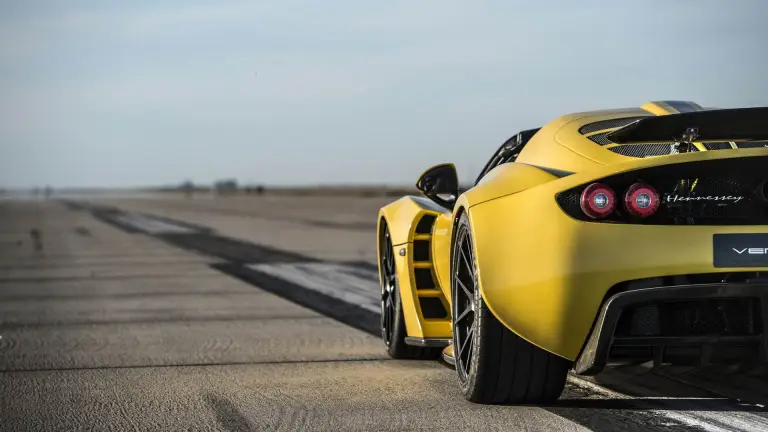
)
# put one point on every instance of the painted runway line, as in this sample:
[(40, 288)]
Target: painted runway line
[(710, 421), (349, 284), (152, 226)]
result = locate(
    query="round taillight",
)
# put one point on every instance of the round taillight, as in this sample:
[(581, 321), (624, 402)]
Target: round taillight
[(598, 201), (641, 200)]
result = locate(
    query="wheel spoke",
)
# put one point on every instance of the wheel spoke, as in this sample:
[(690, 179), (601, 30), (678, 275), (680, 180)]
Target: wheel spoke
[(467, 341), (463, 315), (468, 363), (464, 293), (467, 263), (388, 292), (458, 342), (466, 290)]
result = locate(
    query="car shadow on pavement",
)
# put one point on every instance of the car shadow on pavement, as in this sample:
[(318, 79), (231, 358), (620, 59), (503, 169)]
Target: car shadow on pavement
[(676, 396)]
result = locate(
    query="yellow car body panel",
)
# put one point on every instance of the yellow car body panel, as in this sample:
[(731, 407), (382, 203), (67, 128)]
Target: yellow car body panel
[(543, 274), (506, 179), (442, 234), (403, 215), (402, 218)]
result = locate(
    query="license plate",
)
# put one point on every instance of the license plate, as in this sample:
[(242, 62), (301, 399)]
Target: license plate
[(740, 250)]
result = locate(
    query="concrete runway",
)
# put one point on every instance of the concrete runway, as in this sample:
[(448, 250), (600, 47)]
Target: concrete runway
[(252, 314)]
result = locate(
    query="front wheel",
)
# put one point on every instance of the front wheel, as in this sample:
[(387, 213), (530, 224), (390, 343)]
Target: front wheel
[(393, 330), (493, 364)]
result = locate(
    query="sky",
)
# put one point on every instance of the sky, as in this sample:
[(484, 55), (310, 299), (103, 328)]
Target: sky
[(289, 92)]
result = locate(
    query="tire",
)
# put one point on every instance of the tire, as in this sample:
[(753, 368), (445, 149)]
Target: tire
[(393, 331), (493, 364)]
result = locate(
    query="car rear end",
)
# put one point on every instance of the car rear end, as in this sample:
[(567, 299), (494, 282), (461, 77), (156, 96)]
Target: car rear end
[(713, 214), (662, 258)]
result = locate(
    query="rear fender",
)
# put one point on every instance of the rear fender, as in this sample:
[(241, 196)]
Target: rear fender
[(507, 179)]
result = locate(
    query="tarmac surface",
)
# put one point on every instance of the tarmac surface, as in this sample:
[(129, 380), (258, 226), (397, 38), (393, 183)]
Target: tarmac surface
[(254, 313)]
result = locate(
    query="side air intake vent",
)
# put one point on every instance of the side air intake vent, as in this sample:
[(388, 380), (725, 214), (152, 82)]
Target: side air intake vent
[(425, 225)]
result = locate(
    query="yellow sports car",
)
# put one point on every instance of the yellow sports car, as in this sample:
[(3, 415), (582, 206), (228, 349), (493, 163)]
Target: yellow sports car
[(625, 235)]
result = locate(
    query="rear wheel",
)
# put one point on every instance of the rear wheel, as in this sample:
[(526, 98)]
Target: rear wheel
[(393, 331), (493, 364)]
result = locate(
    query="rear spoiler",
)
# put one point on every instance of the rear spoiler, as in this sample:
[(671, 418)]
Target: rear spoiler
[(740, 124)]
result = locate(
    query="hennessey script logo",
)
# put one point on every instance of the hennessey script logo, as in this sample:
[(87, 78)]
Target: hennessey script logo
[(722, 198), (752, 251)]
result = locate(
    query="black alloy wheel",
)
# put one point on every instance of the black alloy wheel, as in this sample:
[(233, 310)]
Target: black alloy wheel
[(464, 291), (388, 289), (393, 331), (494, 365)]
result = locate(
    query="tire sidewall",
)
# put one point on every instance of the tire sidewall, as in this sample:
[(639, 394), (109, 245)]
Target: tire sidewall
[(397, 340), (382, 284), (467, 386)]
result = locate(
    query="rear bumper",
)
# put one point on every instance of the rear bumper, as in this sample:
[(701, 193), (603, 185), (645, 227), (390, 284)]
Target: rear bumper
[(595, 354)]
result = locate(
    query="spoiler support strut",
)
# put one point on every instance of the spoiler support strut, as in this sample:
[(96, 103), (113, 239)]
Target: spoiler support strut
[(685, 143)]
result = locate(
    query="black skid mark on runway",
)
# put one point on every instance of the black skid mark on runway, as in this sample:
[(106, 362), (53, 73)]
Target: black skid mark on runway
[(230, 418), (231, 250), (365, 265), (75, 205), (357, 226), (110, 217), (346, 313), (203, 240), (82, 231)]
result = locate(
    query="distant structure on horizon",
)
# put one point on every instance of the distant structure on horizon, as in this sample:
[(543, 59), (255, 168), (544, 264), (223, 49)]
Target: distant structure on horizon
[(224, 187), (188, 187)]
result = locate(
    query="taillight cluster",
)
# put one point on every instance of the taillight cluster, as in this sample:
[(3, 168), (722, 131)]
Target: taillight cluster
[(599, 200)]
